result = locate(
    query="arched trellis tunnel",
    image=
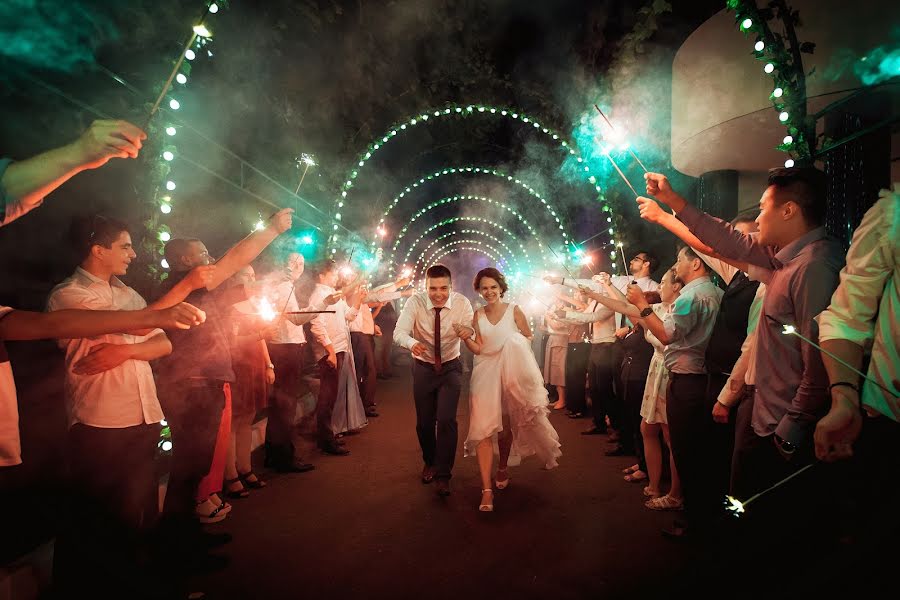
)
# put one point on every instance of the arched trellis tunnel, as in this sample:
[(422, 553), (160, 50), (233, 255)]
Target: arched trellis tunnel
[(457, 111)]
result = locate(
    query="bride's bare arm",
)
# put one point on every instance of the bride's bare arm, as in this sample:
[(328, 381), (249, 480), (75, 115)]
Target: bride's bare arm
[(474, 345), (522, 323)]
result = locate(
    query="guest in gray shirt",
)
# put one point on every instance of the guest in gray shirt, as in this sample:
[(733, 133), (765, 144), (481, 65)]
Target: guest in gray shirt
[(800, 266)]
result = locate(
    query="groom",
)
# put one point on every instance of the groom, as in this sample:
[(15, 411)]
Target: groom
[(426, 328)]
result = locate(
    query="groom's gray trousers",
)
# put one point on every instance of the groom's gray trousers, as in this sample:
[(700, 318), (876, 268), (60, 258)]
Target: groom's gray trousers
[(437, 396)]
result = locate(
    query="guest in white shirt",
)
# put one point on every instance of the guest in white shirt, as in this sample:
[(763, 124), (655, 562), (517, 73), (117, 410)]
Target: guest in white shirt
[(331, 346), (114, 420), (362, 337), (286, 351)]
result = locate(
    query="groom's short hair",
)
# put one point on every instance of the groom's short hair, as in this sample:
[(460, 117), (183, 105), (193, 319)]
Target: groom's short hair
[(435, 271)]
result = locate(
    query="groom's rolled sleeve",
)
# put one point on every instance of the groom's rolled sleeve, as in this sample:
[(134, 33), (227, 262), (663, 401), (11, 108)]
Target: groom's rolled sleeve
[(403, 328)]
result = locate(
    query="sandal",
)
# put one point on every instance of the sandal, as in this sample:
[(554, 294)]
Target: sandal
[(666, 502), (214, 516), (631, 469), (635, 478), (237, 494), (651, 493), (484, 506), (256, 483)]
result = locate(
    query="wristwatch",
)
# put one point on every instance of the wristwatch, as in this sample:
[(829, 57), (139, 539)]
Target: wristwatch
[(646, 312), (270, 366)]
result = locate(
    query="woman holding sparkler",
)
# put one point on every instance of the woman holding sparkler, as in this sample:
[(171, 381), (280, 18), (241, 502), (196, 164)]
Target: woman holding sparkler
[(507, 397)]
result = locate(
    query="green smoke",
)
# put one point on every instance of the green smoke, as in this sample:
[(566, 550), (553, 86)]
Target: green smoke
[(52, 34)]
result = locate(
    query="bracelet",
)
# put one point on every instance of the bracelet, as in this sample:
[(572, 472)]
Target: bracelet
[(852, 386), (270, 366)]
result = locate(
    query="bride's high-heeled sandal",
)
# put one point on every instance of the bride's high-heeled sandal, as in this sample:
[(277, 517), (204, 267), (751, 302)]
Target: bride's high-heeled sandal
[(487, 507), (502, 485)]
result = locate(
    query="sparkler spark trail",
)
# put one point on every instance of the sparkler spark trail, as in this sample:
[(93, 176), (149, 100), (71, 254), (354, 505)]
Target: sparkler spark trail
[(630, 151), (266, 310), (561, 261), (791, 330), (737, 508)]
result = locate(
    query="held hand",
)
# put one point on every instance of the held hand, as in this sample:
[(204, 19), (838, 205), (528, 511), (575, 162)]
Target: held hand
[(553, 279), (281, 221), (106, 139), (378, 331), (200, 277), (658, 186), (181, 316), (635, 295), (621, 332), (333, 298), (403, 282), (102, 357), (603, 278), (463, 332), (836, 431), (332, 360), (560, 313), (720, 413), (650, 210), (270, 376), (418, 349)]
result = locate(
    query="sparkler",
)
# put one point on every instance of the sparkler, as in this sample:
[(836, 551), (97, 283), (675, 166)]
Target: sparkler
[(791, 330), (310, 312), (199, 30), (561, 260), (630, 151), (737, 508), (309, 161), (530, 293), (266, 310), (588, 262)]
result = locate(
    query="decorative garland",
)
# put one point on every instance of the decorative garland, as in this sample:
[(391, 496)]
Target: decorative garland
[(783, 61)]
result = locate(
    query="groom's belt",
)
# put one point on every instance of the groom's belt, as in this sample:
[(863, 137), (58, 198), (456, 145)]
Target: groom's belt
[(444, 363)]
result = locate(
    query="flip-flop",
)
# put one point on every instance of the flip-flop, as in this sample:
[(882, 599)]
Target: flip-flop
[(630, 470), (634, 479)]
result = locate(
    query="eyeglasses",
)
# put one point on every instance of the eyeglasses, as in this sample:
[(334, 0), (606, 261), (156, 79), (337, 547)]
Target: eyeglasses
[(640, 258)]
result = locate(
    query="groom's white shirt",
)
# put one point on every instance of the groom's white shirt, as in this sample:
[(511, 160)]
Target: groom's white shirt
[(416, 324)]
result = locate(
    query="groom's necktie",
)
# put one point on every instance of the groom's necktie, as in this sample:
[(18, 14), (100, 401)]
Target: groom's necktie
[(437, 338)]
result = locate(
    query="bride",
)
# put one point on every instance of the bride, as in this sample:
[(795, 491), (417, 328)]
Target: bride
[(507, 397)]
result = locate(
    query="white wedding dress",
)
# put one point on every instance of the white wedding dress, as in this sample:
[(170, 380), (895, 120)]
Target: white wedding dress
[(506, 380)]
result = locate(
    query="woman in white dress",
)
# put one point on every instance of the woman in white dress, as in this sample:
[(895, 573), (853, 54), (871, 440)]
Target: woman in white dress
[(507, 397), (653, 404)]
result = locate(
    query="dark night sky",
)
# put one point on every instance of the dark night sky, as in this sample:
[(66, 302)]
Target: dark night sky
[(323, 77)]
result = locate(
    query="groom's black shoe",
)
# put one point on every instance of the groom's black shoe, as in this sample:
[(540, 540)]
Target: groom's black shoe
[(333, 449), (428, 474), (443, 487), (594, 431)]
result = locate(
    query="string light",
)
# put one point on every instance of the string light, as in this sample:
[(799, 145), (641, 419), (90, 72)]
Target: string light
[(170, 130), (554, 216), (164, 236), (788, 139), (213, 8), (473, 220), (778, 92), (189, 54), (769, 68), (477, 243), (165, 208), (168, 155), (508, 253), (789, 163), (170, 185), (164, 263), (459, 111), (471, 249), (760, 46), (784, 116), (181, 78), (174, 104)]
